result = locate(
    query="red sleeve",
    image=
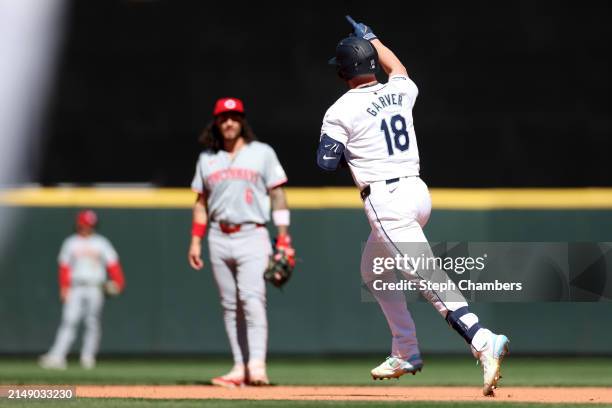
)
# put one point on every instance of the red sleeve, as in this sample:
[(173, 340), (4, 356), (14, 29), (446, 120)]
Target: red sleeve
[(116, 274), (64, 276)]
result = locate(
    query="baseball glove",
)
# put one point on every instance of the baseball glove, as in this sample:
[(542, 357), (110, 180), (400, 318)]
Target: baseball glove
[(282, 262), (279, 269), (111, 288)]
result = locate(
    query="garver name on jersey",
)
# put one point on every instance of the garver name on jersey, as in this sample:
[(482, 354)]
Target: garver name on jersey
[(383, 102)]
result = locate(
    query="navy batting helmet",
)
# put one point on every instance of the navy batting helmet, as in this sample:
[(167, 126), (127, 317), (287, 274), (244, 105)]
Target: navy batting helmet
[(355, 56)]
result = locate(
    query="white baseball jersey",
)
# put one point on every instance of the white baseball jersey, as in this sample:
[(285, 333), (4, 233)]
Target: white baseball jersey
[(375, 126), (237, 188), (87, 258)]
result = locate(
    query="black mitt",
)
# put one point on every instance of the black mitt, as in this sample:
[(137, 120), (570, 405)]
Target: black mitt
[(280, 268)]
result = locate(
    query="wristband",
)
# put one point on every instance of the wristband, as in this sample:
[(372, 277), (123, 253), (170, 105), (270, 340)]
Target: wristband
[(281, 217), (198, 230), (283, 241), (370, 36)]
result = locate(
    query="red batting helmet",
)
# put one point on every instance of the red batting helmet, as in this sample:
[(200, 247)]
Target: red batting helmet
[(228, 105), (87, 218)]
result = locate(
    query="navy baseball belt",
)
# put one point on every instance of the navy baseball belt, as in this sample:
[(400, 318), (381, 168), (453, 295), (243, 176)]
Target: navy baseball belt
[(366, 191)]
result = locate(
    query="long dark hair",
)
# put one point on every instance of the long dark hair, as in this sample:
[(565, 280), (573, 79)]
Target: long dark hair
[(212, 139)]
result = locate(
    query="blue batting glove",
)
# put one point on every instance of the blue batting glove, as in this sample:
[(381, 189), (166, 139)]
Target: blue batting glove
[(361, 30)]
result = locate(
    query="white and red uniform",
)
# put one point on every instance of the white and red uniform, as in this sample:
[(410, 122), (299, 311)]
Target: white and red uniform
[(84, 262), (237, 195)]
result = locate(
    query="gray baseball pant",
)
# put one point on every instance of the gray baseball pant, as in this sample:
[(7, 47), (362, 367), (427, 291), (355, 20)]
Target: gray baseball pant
[(238, 262), (83, 302)]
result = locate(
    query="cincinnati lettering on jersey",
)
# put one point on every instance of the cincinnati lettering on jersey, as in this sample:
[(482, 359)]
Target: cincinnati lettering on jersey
[(384, 101), (232, 174), (86, 252)]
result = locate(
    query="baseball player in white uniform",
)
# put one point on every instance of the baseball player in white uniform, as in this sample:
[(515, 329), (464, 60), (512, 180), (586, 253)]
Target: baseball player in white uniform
[(237, 181), (372, 126), (88, 266)]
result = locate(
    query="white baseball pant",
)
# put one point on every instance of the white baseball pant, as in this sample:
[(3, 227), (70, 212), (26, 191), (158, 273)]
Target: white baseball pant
[(397, 213)]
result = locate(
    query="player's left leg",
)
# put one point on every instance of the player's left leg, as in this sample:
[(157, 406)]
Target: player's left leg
[(252, 250), (94, 303)]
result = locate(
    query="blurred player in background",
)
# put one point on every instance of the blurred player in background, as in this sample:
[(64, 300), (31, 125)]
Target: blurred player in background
[(237, 180), (372, 126), (84, 261)]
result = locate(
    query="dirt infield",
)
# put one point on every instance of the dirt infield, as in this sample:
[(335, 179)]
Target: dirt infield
[(505, 394)]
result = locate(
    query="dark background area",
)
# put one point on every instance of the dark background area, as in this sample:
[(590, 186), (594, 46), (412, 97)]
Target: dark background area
[(513, 93)]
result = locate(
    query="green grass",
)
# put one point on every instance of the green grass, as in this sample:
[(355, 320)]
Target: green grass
[(536, 371), (517, 371), (135, 403)]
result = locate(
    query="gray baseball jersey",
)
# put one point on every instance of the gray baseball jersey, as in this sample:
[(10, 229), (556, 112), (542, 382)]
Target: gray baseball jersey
[(237, 188), (87, 258)]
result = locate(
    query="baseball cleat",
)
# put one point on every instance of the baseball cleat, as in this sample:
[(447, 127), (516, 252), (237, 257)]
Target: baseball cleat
[(235, 378), (394, 367), (49, 362), (491, 358), (227, 382), (257, 374), (88, 363), (259, 380)]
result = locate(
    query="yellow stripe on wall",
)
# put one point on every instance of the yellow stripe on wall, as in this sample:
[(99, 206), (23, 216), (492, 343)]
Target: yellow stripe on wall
[(314, 198), (99, 197), (522, 198)]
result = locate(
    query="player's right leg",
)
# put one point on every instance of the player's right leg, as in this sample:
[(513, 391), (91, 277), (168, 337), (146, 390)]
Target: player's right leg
[(55, 358), (224, 272)]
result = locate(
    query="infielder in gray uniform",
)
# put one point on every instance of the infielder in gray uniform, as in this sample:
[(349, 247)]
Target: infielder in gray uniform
[(84, 261), (237, 180)]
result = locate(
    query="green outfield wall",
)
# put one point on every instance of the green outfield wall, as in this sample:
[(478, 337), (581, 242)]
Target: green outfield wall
[(169, 308)]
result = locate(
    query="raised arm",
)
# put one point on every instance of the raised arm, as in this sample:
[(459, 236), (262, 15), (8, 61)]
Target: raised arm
[(387, 59)]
